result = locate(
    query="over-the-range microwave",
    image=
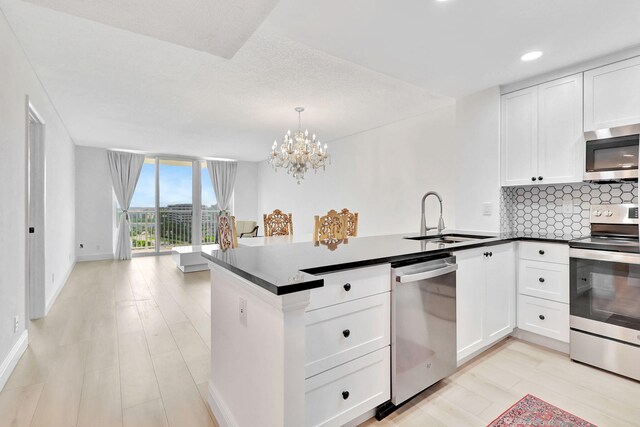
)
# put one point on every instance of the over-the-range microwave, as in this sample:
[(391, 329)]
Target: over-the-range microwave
[(612, 159)]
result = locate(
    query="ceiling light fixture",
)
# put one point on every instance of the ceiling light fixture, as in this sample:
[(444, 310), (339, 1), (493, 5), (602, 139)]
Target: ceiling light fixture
[(299, 153), (530, 56)]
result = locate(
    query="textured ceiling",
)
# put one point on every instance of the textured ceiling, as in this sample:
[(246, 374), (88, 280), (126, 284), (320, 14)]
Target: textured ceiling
[(117, 89), (459, 47), (219, 27), (354, 65)]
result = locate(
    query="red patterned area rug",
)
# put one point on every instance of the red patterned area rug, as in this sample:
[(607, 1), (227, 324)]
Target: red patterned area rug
[(531, 411)]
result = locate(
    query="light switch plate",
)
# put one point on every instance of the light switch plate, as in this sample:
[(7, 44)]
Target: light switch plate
[(567, 207), (487, 209)]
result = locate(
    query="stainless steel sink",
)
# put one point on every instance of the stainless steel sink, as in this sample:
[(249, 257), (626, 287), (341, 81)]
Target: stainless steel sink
[(450, 238)]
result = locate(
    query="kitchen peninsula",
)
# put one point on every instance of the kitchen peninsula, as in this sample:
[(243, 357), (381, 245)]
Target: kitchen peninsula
[(301, 333)]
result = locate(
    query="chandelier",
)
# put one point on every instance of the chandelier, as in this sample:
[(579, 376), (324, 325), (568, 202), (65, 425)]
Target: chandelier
[(298, 153)]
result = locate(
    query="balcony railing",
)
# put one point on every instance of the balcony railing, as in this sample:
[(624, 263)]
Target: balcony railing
[(174, 226)]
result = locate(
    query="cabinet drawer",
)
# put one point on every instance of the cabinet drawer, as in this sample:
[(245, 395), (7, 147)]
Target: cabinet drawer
[(349, 285), (343, 332), (544, 280), (367, 380), (543, 317), (549, 252)]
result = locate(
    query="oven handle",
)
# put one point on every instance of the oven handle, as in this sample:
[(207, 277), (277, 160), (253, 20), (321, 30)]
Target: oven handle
[(625, 258)]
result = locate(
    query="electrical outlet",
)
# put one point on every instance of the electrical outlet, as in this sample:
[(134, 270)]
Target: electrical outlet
[(487, 209), (97, 247), (16, 324), (567, 207), (243, 311)]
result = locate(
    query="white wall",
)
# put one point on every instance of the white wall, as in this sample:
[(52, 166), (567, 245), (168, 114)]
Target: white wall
[(478, 160), (95, 210), (17, 79), (245, 198), (381, 173)]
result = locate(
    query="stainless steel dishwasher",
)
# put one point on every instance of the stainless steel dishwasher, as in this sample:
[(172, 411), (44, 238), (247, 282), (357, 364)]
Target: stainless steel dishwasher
[(423, 326)]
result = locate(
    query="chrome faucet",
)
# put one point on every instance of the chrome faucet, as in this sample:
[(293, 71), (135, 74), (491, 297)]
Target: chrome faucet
[(423, 219)]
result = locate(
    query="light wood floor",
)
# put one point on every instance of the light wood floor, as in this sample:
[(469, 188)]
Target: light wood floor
[(128, 344)]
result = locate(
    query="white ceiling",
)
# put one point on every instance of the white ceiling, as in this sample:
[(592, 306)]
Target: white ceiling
[(219, 27), (118, 89), (458, 47), (354, 65)]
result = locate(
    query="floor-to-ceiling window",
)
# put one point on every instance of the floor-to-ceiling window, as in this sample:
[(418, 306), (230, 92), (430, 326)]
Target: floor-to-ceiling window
[(162, 208)]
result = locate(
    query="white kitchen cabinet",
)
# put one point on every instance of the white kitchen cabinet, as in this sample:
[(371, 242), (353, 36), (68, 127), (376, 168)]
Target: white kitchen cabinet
[(519, 136), (541, 139), (485, 296), (612, 95)]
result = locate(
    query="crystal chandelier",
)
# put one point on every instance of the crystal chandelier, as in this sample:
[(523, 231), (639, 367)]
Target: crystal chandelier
[(299, 153)]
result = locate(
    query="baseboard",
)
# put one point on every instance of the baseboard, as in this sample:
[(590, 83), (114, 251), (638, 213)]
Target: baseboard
[(10, 362), (95, 257), (54, 297), (219, 408), (551, 343)]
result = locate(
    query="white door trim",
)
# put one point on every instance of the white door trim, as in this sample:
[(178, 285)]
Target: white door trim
[(35, 296)]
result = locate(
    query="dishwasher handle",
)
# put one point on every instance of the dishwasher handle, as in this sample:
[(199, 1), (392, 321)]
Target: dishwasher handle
[(429, 274)]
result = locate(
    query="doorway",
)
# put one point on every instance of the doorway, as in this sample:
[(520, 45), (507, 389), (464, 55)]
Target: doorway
[(36, 167)]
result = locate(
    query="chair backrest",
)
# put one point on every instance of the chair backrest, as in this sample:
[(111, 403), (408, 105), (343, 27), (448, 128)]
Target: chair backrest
[(352, 222), (330, 228), (227, 234), (247, 228), (278, 224)]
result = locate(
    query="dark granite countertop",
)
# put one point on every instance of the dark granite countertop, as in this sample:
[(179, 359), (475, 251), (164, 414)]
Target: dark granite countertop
[(283, 269)]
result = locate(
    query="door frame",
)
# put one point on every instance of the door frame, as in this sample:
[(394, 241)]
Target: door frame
[(35, 292)]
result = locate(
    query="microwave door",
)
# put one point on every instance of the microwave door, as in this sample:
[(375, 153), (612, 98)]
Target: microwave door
[(612, 159)]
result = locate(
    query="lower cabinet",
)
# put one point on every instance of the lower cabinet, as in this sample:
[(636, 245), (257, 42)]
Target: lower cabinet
[(485, 296), (348, 367), (544, 317), (342, 394)]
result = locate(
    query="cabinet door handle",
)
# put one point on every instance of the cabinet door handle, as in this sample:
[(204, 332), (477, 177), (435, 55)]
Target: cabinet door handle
[(490, 253), (347, 287), (541, 252), (345, 395), (346, 333), (541, 317), (533, 178), (541, 280), (486, 254), (539, 178)]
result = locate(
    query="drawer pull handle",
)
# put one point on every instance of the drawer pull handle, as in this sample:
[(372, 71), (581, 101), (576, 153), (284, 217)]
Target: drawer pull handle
[(541, 317), (541, 280), (541, 252), (347, 287), (346, 333), (345, 395)]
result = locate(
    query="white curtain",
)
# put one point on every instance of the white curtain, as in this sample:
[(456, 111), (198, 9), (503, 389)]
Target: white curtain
[(125, 170), (223, 177)]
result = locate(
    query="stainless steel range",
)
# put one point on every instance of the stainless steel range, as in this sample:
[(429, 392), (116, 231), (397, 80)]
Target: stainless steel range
[(605, 291)]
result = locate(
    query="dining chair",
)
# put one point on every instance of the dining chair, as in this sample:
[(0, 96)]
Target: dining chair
[(351, 218), (330, 229), (227, 234), (278, 223)]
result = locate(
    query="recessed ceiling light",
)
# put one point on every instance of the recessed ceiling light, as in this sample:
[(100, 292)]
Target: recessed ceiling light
[(530, 56)]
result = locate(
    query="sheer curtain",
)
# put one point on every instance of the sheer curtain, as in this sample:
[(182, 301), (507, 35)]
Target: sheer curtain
[(125, 170), (223, 177)]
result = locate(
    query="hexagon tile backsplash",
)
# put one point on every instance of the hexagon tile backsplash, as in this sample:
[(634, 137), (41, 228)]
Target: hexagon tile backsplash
[(558, 209)]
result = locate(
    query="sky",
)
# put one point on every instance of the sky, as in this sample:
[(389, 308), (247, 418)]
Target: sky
[(175, 186)]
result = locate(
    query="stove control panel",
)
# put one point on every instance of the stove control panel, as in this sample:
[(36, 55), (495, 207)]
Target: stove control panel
[(626, 213)]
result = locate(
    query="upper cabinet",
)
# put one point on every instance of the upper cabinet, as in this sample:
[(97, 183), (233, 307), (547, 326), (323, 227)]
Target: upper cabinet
[(612, 95), (541, 139)]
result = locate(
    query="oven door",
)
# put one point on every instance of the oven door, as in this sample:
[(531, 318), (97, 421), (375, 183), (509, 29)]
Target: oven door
[(612, 159), (605, 293)]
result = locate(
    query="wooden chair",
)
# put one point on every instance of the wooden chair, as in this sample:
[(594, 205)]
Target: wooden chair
[(330, 229), (278, 224), (352, 222), (227, 234)]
